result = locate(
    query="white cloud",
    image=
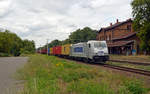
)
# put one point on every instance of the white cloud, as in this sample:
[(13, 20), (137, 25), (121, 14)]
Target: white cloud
[(39, 20)]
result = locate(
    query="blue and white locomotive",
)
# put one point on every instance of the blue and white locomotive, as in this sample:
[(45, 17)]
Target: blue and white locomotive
[(91, 51)]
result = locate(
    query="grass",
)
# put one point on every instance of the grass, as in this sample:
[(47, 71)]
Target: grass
[(138, 58), (52, 75)]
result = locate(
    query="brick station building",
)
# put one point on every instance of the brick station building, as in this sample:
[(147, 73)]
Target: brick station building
[(120, 37)]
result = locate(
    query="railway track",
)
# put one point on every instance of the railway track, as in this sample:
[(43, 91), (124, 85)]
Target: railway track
[(132, 70), (131, 62), (138, 71)]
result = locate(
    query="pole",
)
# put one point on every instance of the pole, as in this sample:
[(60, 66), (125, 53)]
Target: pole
[(40, 48), (47, 46)]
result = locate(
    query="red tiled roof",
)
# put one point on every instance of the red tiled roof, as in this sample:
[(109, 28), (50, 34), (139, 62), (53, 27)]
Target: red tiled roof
[(126, 35), (115, 25), (119, 43)]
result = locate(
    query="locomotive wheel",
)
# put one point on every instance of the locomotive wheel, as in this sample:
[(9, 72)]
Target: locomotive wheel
[(86, 60)]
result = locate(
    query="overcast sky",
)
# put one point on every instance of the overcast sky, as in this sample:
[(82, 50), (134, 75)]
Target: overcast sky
[(39, 20)]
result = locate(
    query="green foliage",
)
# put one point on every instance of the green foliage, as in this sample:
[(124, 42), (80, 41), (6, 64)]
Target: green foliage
[(4, 55), (83, 35), (135, 87), (5, 42), (11, 44), (141, 12), (145, 37), (67, 41), (28, 47), (54, 43), (89, 87)]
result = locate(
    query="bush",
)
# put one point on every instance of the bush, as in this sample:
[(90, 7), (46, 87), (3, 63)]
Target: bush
[(4, 54), (135, 87)]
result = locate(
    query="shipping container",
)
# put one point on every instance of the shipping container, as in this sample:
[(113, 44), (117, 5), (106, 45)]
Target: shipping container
[(57, 50), (66, 49), (51, 50)]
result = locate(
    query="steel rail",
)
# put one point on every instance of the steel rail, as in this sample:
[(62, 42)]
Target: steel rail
[(138, 71), (131, 62)]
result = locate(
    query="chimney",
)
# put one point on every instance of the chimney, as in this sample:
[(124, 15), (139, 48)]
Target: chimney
[(110, 24), (117, 21)]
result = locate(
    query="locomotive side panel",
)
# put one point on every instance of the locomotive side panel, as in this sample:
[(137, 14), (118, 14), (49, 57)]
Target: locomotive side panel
[(78, 50)]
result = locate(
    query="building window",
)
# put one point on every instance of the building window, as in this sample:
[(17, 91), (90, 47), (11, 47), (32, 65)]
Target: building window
[(109, 37), (129, 27)]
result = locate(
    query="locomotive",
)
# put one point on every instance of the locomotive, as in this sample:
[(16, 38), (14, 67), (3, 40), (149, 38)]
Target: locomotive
[(91, 51)]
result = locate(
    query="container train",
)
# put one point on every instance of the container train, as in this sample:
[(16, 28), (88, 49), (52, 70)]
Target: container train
[(91, 51)]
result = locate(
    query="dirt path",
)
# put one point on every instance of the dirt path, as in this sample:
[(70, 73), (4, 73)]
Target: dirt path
[(8, 66)]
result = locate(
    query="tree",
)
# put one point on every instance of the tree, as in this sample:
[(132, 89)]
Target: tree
[(67, 41), (5, 42), (16, 44), (141, 14), (83, 35), (11, 44), (54, 43), (28, 47)]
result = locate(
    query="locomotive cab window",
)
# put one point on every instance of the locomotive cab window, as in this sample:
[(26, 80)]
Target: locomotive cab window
[(89, 45), (99, 44)]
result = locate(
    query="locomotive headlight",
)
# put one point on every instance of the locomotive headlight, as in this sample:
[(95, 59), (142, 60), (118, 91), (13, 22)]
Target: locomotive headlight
[(105, 53)]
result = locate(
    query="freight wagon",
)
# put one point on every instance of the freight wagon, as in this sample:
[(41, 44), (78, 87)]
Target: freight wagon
[(43, 51)]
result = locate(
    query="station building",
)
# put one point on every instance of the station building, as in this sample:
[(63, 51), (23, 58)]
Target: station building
[(120, 37)]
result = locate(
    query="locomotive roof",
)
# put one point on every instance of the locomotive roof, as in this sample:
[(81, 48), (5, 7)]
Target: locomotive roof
[(95, 41)]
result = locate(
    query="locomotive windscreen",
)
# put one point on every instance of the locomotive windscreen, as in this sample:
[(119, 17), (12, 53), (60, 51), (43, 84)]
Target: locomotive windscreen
[(99, 44)]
